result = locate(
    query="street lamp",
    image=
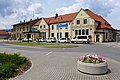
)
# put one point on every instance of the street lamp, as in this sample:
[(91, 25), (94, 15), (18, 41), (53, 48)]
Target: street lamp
[(57, 17)]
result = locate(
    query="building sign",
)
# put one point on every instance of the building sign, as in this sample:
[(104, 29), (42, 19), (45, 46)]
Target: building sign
[(34, 29), (62, 25)]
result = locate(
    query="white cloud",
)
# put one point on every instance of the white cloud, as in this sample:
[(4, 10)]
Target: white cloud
[(102, 7), (15, 10), (64, 10), (34, 7)]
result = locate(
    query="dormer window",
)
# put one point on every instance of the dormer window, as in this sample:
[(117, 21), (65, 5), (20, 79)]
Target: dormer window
[(85, 21), (41, 27), (44, 26), (78, 21)]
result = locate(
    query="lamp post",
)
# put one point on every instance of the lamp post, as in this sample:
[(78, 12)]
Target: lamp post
[(57, 17)]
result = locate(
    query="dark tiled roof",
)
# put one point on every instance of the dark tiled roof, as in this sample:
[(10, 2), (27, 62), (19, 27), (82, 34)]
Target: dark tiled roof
[(3, 32)]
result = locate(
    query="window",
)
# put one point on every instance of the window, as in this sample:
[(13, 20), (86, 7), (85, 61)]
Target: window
[(23, 28), (78, 21), (20, 29), (106, 35), (110, 36), (14, 29), (57, 35), (66, 34), (52, 34), (76, 32), (27, 28), (17, 29), (87, 31), (20, 35), (60, 35), (52, 27), (79, 32), (44, 26), (40, 26), (83, 32), (85, 21), (44, 33)]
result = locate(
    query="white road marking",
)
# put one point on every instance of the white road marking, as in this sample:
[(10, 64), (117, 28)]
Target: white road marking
[(49, 53)]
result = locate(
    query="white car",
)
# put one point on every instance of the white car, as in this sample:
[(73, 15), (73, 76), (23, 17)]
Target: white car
[(51, 39), (41, 40), (64, 40), (81, 38), (27, 40)]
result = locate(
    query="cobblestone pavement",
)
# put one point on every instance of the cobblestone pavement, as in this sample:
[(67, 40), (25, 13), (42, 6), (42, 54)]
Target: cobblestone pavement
[(63, 67), (51, 65)]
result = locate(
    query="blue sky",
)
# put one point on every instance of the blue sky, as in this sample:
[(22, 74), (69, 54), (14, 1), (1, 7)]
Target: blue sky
[(14, 11)]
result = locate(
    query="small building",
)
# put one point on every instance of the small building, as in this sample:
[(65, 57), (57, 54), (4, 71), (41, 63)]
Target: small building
[(24, 29), (4, 34)]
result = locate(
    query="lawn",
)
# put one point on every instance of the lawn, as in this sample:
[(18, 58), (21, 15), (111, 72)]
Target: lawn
[(12, 65), (44, 44)]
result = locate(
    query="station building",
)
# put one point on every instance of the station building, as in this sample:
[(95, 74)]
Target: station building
[(84, 22)]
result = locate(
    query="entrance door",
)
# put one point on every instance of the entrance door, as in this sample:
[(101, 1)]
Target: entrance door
[(97, 38), (66, 34)]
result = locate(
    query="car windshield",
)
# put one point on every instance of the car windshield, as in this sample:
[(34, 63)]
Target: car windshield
[(51, 38), (63, 39), (82, 37)]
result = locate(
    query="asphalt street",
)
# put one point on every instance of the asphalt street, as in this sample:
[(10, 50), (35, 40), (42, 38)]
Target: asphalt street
[(60, 64)]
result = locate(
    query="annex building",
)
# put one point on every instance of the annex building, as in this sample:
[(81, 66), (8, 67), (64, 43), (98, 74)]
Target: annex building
[(4, 34), (84, 22)]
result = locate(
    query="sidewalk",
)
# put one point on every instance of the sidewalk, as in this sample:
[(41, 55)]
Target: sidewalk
[(114, 44), (2, 40)]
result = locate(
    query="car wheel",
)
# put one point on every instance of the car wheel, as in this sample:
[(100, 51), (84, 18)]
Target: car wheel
[(84, 42), (72, 42)]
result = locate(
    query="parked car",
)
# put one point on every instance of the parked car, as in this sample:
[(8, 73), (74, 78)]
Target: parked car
[(64, 40), (40, 40), (27, 40), (81, 38), (11, 38), (51, 39)]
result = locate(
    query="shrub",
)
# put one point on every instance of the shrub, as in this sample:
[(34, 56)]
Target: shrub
[(7, 70), (9, 63)]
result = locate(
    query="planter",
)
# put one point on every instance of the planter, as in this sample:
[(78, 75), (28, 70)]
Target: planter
[(91, 68)]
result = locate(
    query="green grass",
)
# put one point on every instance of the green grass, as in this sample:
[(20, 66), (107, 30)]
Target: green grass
[(43, 44), (9, 63), (30, 43), (60, 46)]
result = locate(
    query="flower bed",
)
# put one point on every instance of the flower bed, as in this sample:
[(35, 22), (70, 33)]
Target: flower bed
[(96, 59), (92, 64)]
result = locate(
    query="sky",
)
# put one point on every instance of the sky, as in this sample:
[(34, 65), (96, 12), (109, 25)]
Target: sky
[(14, 11)]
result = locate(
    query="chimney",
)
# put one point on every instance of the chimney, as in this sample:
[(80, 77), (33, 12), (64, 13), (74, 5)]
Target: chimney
[(56, 15), (37, 17), (24, 20), (20, 21), (31, 19)]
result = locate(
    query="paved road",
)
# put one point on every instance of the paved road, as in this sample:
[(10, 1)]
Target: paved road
[(60, 64)]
